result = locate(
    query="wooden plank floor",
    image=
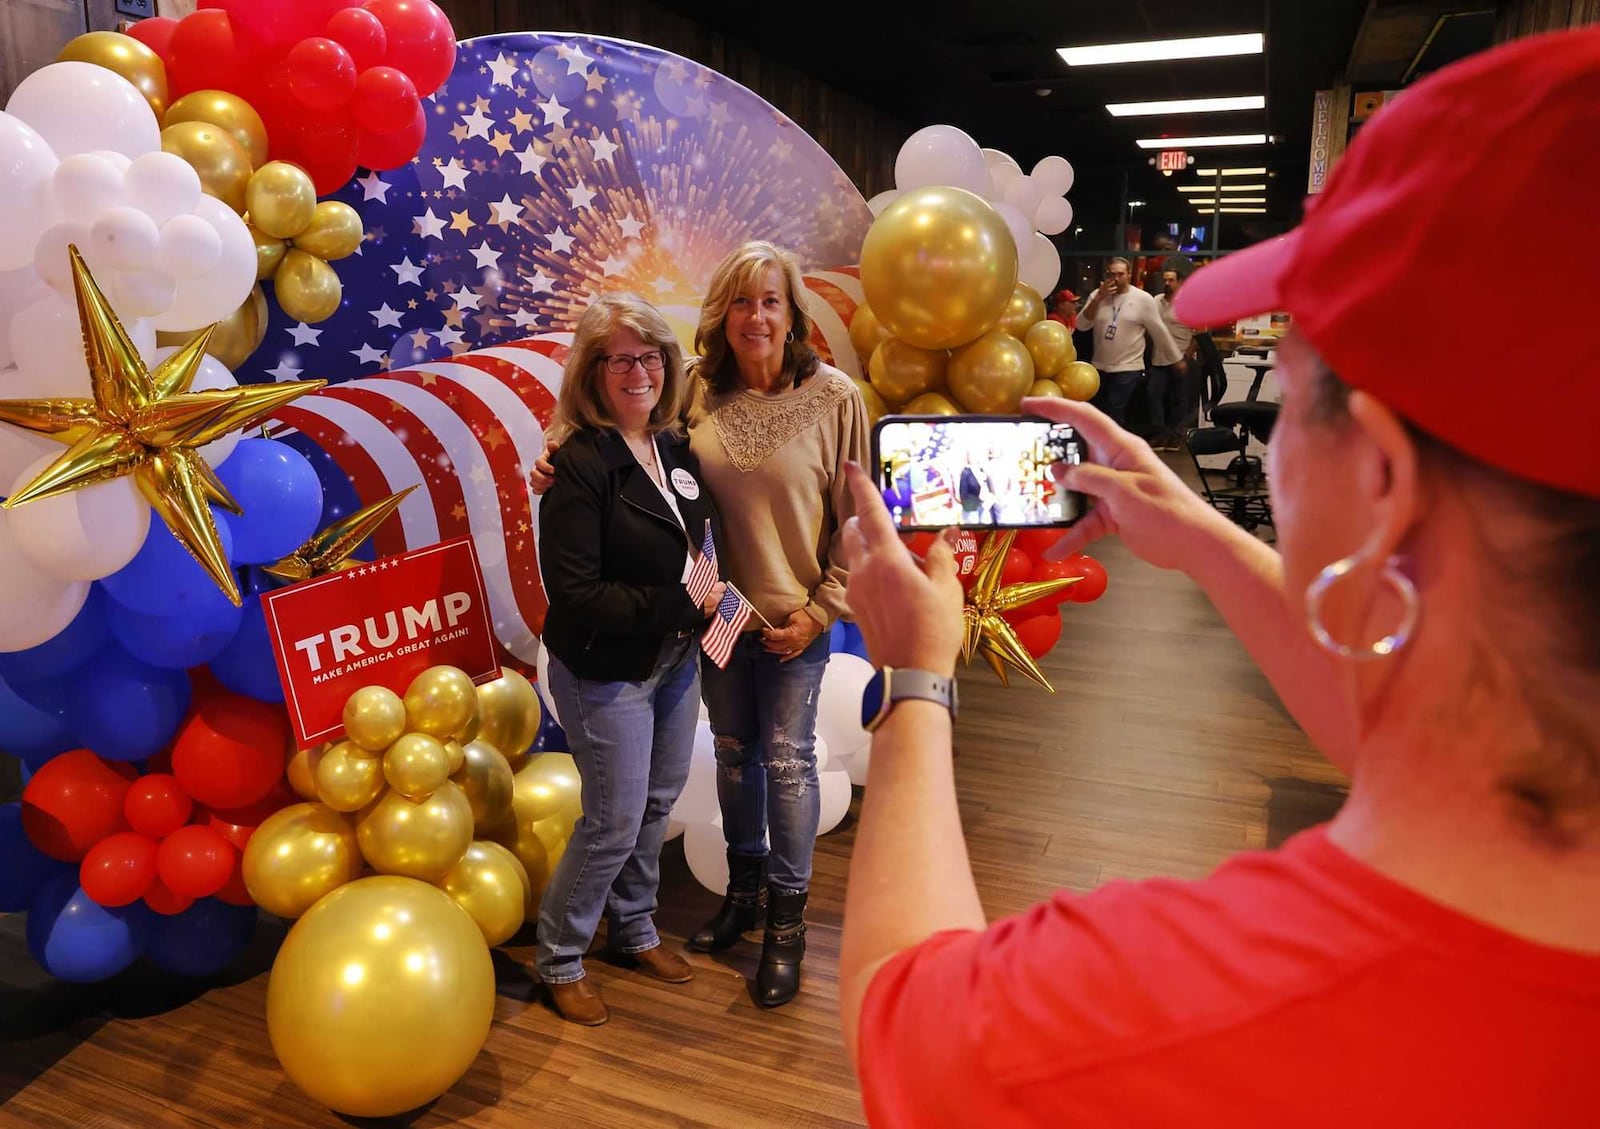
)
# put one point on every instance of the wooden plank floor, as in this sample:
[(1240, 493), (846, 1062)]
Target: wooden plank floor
[(1163, 752)]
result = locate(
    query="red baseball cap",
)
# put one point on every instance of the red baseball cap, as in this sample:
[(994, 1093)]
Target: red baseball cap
[(1409, 273)]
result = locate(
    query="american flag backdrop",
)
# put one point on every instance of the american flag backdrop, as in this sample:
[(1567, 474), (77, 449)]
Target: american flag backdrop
[(556, 167)]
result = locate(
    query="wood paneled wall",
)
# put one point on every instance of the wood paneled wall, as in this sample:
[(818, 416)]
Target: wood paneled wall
[(1529, 17), (860, 137)]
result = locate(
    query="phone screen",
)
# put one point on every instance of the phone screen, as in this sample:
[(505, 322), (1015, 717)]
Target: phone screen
[(977, 472)]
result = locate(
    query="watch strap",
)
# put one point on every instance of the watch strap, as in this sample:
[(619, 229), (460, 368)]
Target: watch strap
[(902, 684)]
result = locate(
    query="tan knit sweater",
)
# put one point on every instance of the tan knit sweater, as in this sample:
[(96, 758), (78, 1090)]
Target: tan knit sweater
[(775, 465)]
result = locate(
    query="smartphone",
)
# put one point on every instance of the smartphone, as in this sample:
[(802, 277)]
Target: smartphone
[(976, 472)]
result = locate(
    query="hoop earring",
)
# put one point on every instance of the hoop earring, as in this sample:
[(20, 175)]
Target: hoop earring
[(1390, 644), (788, 338)]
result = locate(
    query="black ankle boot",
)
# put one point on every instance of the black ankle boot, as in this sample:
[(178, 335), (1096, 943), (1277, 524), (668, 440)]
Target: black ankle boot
[(741, 907), (783, 946)]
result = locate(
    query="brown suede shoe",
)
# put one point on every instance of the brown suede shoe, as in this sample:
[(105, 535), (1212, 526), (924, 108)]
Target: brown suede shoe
[(658, 963), (579, 1002)]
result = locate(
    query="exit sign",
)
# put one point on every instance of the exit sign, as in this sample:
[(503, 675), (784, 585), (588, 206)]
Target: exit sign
[(1172, 160)]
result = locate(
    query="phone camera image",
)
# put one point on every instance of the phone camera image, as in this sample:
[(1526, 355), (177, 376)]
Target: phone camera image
[(976, 471)]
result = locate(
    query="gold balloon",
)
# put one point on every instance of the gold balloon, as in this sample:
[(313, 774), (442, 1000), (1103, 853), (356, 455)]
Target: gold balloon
[(348, 778), (300, 854), (531, 851), (987, 632), (127, 57), (1050, 345), (308, 289), (301, 770), (469, 731), (233, 338), (374, 718), (380, 998), (415, 765), (930, 404), (938, 267), (1023, 310), (991, 374), (269, 253), (231, 112), (508, 713), (455, 755), (1048, 389), (486, 779), (215, 154), (902, 372), (146, 423), (492, 886), (1079, 380), (545, 802), (866, 332), (419, 840), (334, 232), (281, 199), (876, 408), (440, 701)]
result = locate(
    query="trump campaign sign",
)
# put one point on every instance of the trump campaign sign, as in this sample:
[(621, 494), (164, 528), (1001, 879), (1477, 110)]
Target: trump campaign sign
[(378, 624)]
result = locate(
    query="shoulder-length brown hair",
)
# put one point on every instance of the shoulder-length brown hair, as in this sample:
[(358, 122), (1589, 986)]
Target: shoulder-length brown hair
[(581, 403), (738, 272)]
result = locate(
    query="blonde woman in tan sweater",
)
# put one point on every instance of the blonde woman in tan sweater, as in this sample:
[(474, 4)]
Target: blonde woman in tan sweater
[(772, 428)]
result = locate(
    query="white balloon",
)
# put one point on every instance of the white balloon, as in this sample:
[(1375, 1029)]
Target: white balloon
[(1002, 171), (1054, 216), (697, 803), (839, 705), (1041, 265), (79, 107), (142, 293), (51, 260), (706, 852), (820, 750), (882, 200), (1023, 194), (26, 164), (835, 788), (857, 765), (190, 247), (1054, 176), (124, 239), (1020, 226), (34, 606), (212, 296), (673, 831), (162, 185), (214, 376), (941, 155), (19, 449), (541, 670), (83, 535), (87, 184), (18, 288), (47, 339)]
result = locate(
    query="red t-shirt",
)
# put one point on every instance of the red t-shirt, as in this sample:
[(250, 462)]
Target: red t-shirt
[(1291, 988)]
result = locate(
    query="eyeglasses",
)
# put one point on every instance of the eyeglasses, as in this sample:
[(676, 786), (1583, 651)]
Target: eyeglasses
[(620, 363)]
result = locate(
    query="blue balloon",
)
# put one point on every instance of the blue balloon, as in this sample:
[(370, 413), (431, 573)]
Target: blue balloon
[(72, 646), (76, 939), (246, 665), (280, 494), (177, 642), (203, 939), (339, 498), (32, 733), (162, 578), (127, 710), (846, 637), (24, 868)]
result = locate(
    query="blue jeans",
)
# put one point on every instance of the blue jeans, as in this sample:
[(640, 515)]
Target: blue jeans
[(764, 717), (1116, 393), (632, 742)]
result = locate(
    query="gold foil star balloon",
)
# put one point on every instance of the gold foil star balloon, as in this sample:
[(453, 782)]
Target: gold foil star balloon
[(148, 424), (987, 633), (329, 551)]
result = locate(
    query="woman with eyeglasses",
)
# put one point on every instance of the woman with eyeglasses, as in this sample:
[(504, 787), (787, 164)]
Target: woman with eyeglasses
[(619, 533)]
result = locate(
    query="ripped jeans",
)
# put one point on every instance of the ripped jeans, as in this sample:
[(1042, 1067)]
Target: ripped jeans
[(764, 716)]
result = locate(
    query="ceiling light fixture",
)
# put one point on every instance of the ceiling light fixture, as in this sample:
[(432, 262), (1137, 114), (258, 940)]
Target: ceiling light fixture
[(1232, 211), (1202, 142), (1227, 201), (1202, 47), (1186, 106), (1212, 189), (1231, 172)]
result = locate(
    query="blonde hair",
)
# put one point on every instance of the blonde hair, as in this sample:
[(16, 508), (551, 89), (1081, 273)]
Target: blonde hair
[(581, 402), (739, 271)]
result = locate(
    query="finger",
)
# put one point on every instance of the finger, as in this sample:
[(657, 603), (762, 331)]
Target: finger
[(854, 545), (1096, 525), (1108, 443), (1096, 481), (940, 561), (872, 516)]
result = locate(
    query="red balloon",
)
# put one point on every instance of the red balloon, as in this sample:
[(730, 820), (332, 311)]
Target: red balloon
[(194, 862), (119, 869), (421, 41), (919, 543), (321, 73), (229, 753), (385, 100), (1018, 568), (73, 802), (164, 901), (1035, 542), (155, 33), (160, 763), (237, 824), (202, 54), (1038, 633), (361, 33), (155, 805), (1058, 570), (391, 150), (276, 23), (1094, 581), (233, 891)]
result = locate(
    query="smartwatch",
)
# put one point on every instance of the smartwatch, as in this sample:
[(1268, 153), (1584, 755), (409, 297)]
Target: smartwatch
[(888, 686)]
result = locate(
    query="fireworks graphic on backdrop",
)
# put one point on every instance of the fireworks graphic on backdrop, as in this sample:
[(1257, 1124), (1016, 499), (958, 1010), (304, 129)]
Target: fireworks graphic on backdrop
[(558, 167)]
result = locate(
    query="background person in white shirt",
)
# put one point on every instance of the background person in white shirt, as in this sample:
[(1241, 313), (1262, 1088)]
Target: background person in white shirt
[(1121, 318), (1179, 381)]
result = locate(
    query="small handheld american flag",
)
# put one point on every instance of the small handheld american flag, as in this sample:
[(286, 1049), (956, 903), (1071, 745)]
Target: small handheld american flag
[(726, 623), (704, 573)]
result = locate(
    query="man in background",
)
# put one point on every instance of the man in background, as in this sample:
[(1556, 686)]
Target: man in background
[(1180, 380), (1121, 319)]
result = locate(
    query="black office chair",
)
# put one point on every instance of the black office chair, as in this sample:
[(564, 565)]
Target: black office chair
[(1240, 490)]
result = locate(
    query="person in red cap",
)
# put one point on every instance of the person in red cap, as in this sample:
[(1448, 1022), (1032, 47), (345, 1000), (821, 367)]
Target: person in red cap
[(1430, 615)]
